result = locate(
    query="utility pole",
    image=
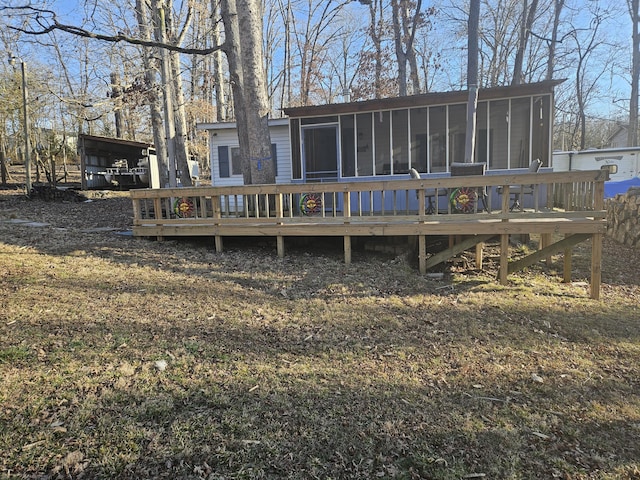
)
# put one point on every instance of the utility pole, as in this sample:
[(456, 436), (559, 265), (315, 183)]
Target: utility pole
[(27, 141), (472, 80)]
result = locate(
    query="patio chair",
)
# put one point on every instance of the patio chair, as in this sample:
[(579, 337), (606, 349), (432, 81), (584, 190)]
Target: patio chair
[(429, 193), (465, 199), (516, 191)]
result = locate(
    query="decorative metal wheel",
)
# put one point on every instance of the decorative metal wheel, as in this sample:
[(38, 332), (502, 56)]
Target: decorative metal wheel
[(463, 199), (310, 203), (183, 207)]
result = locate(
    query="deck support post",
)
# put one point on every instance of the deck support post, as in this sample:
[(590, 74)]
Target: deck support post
[(279, 215), (596, 242), (157, 208), (596, 265), (546, 239), (504, 258), (346, 202), (347, 249), (280, 246), (504, 240), (479, 251), (217, 214), (566, 270), (218, 243), (422, 239), (422, 254)]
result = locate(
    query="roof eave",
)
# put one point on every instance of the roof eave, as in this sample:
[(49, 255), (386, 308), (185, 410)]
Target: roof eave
[(423, 100)]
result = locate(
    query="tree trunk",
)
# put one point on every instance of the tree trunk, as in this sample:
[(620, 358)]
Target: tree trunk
[(632, 139), (558, 4), (528, 15), (218, 77), (404, 29), (410, 25), (180, 119), (401, 56), (256, 104), (246, 74), (116, 93), (232, 50), (157, 7), (155, 105), (375, 32)]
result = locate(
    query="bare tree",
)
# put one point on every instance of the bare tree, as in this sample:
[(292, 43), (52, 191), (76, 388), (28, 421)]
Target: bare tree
[(528, 16), (218, 66), (498, 41), (285, 10), (632, 139), (378, 58), (312, 38), (149, 61), (587, 42), (405, 25), (557, 11), (345, 57)]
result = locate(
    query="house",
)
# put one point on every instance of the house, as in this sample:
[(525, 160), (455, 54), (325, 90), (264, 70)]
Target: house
[(384, 138), (619, 137), (224, 151)]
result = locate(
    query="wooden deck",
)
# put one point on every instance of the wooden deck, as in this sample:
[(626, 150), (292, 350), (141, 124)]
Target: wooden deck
[(570, 204)]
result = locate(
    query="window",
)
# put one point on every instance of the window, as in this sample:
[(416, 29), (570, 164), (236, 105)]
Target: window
[(232, 167), (457, 132), (236, 161), (541, 114), (296, 162), (347, 138), (365, 144), (482, 133), (400, 140), (499, 134), (382, 124), (418, 117), (438, 139), (520, 122)]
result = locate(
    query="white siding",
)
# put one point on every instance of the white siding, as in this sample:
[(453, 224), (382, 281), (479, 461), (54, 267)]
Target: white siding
[(228, 137)]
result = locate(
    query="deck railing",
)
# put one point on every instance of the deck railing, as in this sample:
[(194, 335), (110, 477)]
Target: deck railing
[(463, 205)]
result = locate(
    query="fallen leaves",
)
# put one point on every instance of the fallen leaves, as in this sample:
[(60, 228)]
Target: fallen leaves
[(140, 358)]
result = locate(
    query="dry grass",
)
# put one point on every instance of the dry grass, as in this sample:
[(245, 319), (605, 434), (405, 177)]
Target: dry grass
[(127, 358)]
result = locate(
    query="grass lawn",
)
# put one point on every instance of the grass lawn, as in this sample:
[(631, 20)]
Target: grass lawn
[(123, 358)]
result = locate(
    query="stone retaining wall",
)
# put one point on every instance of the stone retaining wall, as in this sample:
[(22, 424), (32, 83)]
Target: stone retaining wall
[(623, 215)]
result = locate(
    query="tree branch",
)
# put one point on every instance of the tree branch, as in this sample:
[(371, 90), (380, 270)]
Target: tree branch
[(50, 24)]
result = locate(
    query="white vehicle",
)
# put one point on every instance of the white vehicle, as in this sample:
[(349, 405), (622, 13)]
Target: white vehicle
[(627, 161)]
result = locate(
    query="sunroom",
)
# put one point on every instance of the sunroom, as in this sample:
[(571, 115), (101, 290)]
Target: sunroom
[(378, 139)]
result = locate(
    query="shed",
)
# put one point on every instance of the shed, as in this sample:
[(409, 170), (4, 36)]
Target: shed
[(116, 163)]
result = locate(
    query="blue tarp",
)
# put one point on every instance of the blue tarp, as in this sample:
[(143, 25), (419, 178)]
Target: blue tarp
[(611, 189)]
